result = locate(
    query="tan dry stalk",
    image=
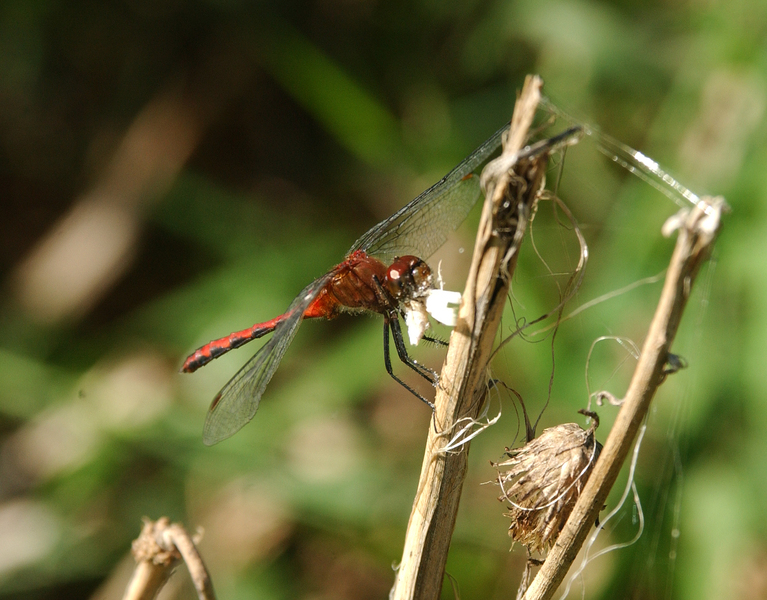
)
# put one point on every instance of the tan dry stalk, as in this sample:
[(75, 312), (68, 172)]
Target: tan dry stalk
[(510, 194), (161, 545), (698, 229)]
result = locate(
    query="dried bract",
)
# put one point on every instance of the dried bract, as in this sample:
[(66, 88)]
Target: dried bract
[(542, 481)]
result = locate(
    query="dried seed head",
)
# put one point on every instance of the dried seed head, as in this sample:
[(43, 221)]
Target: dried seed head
[(542, 481)]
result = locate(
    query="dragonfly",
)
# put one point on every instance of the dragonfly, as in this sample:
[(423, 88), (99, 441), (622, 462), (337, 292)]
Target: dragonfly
[(384, 272)]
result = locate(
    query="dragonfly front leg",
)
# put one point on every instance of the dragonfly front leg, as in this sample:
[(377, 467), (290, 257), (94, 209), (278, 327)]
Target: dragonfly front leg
[(399, 344), (420, 369)]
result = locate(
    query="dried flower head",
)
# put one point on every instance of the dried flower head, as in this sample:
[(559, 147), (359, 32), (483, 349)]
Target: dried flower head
[(542, 481)]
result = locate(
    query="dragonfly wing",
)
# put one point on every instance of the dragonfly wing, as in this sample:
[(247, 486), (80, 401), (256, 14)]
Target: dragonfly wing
[(236, 404), (423, 225)]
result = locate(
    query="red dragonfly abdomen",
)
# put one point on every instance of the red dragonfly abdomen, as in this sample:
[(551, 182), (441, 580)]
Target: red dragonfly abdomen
[(351, 286), (202, 356)]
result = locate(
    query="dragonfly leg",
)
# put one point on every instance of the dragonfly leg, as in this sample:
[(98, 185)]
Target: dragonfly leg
[(420, 369), (435, 341), (399, 344)]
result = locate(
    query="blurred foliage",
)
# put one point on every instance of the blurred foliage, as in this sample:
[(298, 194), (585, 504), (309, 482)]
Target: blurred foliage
[(262, 139)]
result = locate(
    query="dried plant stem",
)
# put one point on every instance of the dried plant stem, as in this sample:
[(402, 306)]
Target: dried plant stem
[(697, 233), (158, 549), (463, 379)]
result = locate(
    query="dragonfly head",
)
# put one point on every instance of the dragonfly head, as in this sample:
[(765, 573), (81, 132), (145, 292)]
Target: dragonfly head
[(408, 277), (410, 282)]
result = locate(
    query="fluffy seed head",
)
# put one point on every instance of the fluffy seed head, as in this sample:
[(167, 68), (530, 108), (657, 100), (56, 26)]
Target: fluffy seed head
[(542, 481)]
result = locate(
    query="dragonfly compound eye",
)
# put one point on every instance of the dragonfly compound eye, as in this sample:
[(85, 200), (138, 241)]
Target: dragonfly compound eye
[(408, 277)]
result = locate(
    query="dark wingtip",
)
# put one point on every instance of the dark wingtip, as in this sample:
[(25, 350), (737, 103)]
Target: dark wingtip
[(216, 400)]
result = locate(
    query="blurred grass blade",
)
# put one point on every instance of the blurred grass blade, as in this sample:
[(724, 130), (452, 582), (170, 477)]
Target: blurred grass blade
[(346, 110)]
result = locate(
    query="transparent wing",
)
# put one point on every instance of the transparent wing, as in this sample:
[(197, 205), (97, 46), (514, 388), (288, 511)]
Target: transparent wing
[(423, 225), (236, 404)]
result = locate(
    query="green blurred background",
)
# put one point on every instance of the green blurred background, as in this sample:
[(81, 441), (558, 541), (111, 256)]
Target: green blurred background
[(172, 171)]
